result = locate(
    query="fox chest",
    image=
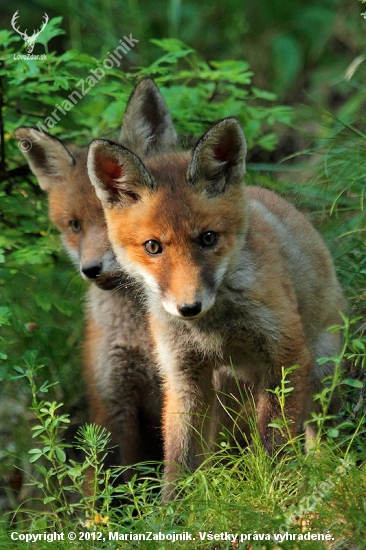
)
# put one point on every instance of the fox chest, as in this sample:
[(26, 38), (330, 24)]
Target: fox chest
[(243, 349), (246, 353), (244, 342)]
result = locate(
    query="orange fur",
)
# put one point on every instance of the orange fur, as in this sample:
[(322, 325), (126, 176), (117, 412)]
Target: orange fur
[(93, 337)]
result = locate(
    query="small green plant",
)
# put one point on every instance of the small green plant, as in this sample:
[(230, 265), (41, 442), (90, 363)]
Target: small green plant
[(329, 421), (57, 478), (282, 393)]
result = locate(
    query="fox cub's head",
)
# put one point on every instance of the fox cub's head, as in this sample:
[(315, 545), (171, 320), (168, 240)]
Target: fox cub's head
[(73, 205), (175, 220)]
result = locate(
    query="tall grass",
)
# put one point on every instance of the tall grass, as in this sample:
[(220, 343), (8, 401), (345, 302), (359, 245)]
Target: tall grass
[(239, 492)]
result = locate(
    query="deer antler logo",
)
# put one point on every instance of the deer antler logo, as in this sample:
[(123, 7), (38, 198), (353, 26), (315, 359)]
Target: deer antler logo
[(29, 40)]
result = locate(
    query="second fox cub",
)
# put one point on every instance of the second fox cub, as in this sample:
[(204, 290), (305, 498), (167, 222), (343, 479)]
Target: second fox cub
[(233, 275), (122, 380)]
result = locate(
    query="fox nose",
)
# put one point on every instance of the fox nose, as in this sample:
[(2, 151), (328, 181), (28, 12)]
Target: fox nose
[(92, 269), (190, 310)]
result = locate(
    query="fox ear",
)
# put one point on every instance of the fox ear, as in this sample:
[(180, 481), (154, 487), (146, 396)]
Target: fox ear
[(118, 175), (147, 125), (218, 159), (48, 157)]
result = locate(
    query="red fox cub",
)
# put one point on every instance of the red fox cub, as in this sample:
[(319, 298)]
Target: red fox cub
[(122, 380), (233, 275)]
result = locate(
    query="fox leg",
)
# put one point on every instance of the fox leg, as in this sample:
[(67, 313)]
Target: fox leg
[(114, 404), (124, 398), (298, 402), (128, 393), (187, 424)]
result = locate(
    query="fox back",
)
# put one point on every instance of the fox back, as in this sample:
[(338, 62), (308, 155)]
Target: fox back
[(234, 276)]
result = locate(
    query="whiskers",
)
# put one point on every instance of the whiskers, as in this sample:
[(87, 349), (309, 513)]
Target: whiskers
[(129, 286)]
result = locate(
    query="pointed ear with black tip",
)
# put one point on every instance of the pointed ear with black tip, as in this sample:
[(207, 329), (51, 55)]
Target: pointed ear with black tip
[(118, 175), (218, 159), (147, 125), (48, 158)]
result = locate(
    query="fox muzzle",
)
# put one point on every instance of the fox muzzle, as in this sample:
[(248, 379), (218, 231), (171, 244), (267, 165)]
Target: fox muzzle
[(190, 310)]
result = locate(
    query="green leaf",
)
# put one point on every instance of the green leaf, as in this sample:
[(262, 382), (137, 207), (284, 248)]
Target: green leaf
[(60, 454), (51, 30), (172, 45), (261, 94), (323, 360), (39, 524), (48, 499), (19, 369), (35, 456), (37, 432), (345, 424), (5, 313), (358, 344), (7, 37), (74, 472), (353, 383)]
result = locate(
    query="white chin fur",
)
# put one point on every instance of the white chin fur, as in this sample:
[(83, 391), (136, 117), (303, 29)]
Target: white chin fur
[(172, 308)]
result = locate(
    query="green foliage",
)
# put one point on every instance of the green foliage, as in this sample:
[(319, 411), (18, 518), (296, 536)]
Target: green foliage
[(58, 478), (198, 93), (266, 497), (216, 90), (338, 184), (40, 300), (323, 36)]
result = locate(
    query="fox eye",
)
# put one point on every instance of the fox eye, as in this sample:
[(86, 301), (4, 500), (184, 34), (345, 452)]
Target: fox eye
[(153, 247), (208, 238), (75, 226)]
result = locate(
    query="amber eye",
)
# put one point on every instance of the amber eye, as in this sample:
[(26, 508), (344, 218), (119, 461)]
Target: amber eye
[(208, 238), (75, 226), (153, 247)]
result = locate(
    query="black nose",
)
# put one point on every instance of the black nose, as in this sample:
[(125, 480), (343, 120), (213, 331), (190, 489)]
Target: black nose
[(92, 269), (190, 310)]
